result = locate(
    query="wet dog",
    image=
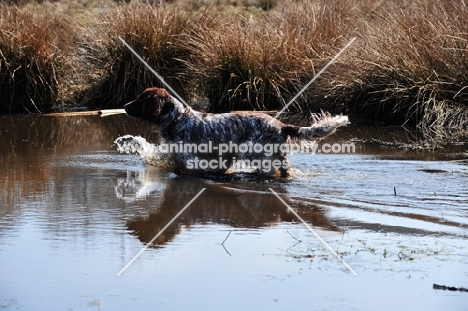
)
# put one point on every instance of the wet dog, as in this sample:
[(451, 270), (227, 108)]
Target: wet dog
[(206, 144)]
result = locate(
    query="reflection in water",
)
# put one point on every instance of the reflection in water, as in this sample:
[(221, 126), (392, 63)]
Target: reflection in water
[(70, 166), (137, 185), (238, 205), (67, 167), (58, 166), (73, 212)]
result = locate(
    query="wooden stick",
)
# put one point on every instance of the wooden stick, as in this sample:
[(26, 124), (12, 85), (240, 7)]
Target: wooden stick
[(102, 113), (110, 112)]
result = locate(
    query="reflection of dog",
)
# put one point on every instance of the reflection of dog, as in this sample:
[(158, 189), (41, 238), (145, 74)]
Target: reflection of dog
[(237, 205), (179, 124)]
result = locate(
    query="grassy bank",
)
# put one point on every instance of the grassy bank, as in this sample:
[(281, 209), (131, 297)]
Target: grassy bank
[(35, 55), (409, 65)]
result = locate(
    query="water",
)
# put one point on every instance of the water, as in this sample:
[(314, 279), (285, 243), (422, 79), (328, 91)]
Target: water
[(74, 212)]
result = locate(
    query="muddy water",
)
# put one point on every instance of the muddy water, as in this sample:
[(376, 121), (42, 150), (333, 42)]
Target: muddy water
[(74, 212)]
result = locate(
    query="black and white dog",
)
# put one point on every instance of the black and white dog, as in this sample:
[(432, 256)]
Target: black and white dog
[(210, 144)]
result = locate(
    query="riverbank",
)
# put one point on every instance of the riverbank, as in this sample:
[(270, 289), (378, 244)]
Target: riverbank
[(407, 67)]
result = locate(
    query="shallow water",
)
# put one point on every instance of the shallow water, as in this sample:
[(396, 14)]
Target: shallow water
[(74, 212)]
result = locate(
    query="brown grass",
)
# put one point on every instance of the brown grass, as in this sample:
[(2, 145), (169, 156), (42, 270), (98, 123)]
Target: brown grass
[(259, 63), (155, 34), (34, 50), (408, 66)]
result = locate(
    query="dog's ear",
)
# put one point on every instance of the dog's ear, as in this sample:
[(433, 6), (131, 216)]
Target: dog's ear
[(151, 106), (157, 103)]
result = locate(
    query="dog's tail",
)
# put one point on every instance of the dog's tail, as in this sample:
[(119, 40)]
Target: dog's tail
[(323, 126)]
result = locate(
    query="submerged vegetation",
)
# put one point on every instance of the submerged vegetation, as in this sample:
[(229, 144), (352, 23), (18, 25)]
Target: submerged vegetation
[(408, 66)]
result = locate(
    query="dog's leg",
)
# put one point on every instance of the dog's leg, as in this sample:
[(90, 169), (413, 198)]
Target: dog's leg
[(285, 167)]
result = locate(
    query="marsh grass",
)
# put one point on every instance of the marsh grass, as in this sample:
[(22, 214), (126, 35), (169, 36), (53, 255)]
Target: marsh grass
[(411, 67), (234, 67), (155, 34), (408, 66), (33, 59), (259, 62)]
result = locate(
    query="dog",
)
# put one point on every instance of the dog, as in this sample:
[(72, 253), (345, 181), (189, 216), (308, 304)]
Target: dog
[(207, 144)]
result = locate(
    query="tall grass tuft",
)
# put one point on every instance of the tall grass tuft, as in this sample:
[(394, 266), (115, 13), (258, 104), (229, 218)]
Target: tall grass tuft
[(232, 65), (34, 49), (259, 62), (411, 66), (155, 34)]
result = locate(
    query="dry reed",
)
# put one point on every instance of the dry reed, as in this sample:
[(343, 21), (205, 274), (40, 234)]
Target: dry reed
[(260, 61), (408, 67), (34, 49), (155, 34)]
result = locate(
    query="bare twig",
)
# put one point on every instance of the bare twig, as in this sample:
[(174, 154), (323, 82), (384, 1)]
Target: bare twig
[(313, 232), (294, 237), (222, 244)]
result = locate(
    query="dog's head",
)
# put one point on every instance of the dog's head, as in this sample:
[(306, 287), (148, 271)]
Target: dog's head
[(151, 105)]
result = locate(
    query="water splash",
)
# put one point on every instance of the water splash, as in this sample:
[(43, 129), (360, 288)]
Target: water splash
[(155, 155), (151, 153), (138, 185)]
